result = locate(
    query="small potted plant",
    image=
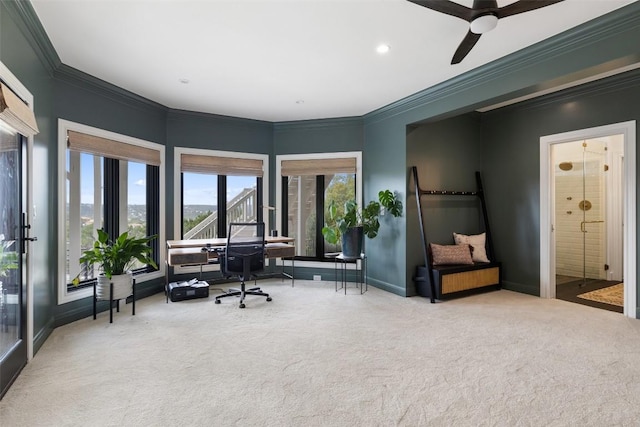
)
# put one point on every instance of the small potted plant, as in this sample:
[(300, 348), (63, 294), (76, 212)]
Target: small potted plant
[(351, 227), (8, 259), (115, 258)]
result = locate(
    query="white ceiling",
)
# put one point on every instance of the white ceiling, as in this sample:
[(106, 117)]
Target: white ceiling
[(284, 60)]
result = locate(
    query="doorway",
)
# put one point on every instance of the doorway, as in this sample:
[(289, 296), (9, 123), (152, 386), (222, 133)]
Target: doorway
[(588, 213), (588, 221), (13, 306), (16, 196)]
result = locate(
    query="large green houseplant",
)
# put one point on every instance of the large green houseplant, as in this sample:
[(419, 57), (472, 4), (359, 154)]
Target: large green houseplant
[(355, 223), (115, 258)]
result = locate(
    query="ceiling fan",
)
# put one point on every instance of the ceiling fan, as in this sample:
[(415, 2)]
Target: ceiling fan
[(482, 17)]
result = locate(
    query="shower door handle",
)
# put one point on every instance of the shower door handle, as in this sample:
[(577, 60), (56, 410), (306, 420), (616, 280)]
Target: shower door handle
[(583, 223)]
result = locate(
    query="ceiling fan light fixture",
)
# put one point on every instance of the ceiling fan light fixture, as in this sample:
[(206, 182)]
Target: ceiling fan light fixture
[(483, 24)]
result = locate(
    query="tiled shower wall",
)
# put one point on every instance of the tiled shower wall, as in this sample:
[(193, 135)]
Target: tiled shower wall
[(571, 249)]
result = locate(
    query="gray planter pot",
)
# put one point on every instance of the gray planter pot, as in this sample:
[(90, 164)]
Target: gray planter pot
[(353, 242)]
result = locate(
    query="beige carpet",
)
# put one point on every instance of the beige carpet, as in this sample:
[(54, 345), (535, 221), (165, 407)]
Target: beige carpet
[(314, 357), (613, 295)]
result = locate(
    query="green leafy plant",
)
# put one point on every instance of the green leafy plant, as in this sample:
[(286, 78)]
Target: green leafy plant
[(116, 257), (367, 217), (8, 259)]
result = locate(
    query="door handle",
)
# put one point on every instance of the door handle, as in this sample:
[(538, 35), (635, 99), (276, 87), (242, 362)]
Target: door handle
[(583, 223), (24, 227)]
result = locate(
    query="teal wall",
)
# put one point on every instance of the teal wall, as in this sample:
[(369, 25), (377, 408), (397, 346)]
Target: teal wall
[(511, 146), (18, 54), (504, 144), (318, 136), (389, 138), (83, 99), (207, 131), (597, 46), (447, 153), (315, 136)]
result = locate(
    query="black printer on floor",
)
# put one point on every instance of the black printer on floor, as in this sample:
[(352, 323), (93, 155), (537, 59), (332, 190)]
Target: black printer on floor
[(180, 291)]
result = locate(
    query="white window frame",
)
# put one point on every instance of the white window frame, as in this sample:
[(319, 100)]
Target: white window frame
[(177, 189), (313, 156), (64, 126)]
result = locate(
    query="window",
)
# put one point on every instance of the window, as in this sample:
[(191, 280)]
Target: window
[(309, 183), (217, 188), (111, 182)]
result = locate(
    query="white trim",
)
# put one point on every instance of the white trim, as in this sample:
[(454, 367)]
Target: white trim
[(63, 127), (12, 81), (177, 191), (547, 256), (336, 155)]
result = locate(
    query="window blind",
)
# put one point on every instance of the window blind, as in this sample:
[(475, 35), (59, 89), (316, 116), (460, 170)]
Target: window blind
[(318, 166), (105, 147), (220, 165), (16, 113)]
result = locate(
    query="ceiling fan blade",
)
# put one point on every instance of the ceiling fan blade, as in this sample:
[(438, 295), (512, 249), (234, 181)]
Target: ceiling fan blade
[(465, 47), (447, 7), (523, 6)]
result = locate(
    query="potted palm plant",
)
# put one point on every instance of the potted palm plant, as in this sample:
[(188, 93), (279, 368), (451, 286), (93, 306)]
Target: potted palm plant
[(351, 226), (115, 258)]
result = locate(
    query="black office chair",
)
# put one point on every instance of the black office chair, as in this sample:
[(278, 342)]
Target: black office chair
[(243, 257)]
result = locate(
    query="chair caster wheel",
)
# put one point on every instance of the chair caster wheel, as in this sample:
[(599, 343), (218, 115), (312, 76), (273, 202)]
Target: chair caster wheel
[(242, 305), (268, 298), (217, 301)]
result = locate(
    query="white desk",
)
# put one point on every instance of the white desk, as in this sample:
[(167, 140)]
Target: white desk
[(205, 251)]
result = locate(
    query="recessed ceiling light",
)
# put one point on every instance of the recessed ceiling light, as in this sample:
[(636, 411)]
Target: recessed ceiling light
[(383, 48), (184, 81)]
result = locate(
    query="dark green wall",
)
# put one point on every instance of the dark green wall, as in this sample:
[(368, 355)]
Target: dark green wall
[(315, 136), (207, 131), (597, 46), (610, 41), (80, 98), (83, 99), (318, 136), (447, 153), (18, 54), (511, 146)]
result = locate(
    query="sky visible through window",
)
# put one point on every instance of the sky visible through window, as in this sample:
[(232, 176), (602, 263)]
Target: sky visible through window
[(200, 190)]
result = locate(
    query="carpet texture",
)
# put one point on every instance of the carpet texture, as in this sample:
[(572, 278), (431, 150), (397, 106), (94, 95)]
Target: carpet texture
[(316, 357), (613, 295)]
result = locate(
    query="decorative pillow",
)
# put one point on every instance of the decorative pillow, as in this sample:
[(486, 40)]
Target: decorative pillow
[(477, 242), (450, 254)]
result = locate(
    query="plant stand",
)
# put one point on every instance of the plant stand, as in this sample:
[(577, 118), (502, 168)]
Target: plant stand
[(360, 274), (111, 300)]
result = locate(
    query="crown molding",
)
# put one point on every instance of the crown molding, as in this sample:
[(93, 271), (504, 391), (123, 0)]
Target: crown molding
[(174, 114), (597, 87), (28, 22), (609, 25), (75, 77), (334, 123)]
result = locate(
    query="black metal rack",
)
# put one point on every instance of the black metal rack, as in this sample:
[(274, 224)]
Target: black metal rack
[(479, 193)]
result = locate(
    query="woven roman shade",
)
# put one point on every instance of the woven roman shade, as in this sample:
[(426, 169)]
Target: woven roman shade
[(78, 141), (318, 166), (232, 166), (8, 143), (16, 113)]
